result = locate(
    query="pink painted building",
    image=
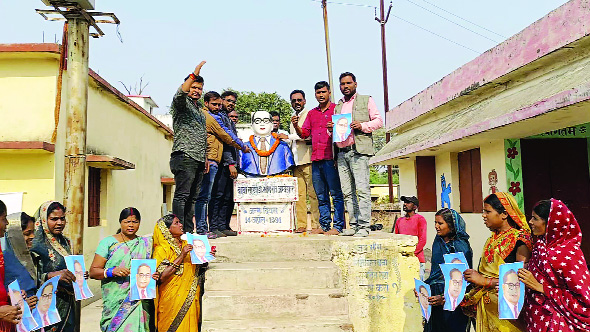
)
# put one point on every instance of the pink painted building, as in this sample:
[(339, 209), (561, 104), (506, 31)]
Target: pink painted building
[(515, 119)]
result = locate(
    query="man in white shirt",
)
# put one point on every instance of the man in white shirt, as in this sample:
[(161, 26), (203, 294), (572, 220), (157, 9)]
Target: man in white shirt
[(302, 153)]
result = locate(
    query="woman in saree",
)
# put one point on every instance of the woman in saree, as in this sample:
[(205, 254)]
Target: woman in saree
[(509, 242), (20, 264), (557, 279), (451, 237), (111, 265), (178, 300), (52, 246), (9, 314)]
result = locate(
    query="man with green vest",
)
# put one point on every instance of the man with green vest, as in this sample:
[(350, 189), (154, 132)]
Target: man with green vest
[(354, 152)]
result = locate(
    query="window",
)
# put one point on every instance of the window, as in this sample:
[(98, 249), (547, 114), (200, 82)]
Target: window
[(470, 181), (426, 183), (93, 197)]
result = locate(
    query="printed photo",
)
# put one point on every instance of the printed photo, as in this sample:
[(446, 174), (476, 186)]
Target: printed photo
[(341, 129), (143, 286), (455, 258), (423, 290), (75, 263), (45, 313), (510, 291), (27, 322), (201, 252), (454, 284)]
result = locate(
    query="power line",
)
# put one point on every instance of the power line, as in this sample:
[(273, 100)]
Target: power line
[(404, 20), (457, 24), (464, 19), (436, 34)]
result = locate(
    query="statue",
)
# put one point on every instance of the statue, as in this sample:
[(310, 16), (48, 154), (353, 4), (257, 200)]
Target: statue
[(270, 155)]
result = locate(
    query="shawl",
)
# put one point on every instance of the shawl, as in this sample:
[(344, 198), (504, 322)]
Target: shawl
[(558, 263), (19, 263), (460, 243), (47, 245), (503, 243)]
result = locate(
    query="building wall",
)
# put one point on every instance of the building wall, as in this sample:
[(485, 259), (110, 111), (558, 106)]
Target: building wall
[(27, 96), (28, 172)]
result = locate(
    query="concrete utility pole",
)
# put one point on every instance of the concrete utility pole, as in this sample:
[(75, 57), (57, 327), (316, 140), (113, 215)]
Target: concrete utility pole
[(328, 55), (382, 21), (78, 20)]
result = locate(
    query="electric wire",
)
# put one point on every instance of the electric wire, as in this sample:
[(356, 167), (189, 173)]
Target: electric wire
[(464, 19), (449, 20), (406, 21)]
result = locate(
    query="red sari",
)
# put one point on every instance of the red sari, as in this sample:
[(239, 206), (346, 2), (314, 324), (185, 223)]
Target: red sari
[(558, 263), (4, 326)]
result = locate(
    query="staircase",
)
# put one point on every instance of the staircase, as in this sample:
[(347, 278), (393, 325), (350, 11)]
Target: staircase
[(283, 283)]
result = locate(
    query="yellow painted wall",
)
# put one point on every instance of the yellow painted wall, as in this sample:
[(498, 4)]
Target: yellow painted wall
[(492, 157), (27, 96), (407, 177), (31, 173)]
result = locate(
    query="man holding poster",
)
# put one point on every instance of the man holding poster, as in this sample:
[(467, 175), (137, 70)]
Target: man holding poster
[(354, 153)]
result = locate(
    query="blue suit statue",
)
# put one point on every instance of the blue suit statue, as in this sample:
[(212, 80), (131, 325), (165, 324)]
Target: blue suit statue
[(256, 163)]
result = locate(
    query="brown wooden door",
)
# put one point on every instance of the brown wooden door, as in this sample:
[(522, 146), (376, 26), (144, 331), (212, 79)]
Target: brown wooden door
[(558, 168)]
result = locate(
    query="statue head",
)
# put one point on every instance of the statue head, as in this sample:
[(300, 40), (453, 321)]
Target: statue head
[(261, 123)]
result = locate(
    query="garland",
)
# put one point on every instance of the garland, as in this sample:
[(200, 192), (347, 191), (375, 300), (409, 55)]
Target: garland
[(266, 153)]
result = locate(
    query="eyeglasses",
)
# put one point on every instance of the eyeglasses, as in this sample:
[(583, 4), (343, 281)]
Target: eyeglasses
[(512, 286), (144, 275), (58, 218), (457, 282), (296, 100), (47, 296), (231, 101), (259, 121)]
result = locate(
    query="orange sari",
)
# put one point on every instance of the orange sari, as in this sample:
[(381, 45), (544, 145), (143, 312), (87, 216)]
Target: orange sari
[(178, 302)]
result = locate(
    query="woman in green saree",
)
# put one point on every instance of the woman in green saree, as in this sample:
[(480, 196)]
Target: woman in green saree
[(111, 265)]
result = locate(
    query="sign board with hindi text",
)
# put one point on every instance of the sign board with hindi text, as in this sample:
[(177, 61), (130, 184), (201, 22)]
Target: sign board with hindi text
[(275, 189), (265, 217)]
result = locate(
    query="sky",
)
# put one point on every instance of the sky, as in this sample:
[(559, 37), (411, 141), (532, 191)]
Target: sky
[(278, 45)]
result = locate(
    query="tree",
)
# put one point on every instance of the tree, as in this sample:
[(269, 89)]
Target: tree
[(249, 102), (378, 173)]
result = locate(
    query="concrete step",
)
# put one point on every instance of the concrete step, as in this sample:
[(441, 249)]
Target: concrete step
[(272, 275), (254, 248), (320, 324), (264, 304)]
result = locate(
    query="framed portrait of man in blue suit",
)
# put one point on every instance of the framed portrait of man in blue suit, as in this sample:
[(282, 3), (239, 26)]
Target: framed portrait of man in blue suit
[(75, 263), (423, 291), (510, 291), (455, 284), (142, 285), (45, 313), (27, 322)]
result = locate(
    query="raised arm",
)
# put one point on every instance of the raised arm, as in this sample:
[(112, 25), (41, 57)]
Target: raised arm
[(187, 84)]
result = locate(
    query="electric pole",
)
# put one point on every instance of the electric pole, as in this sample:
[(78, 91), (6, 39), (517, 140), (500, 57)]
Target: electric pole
[(328, 55), (382, 21)]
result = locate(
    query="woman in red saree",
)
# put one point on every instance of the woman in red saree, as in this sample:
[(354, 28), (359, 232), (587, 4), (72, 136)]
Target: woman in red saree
[(557, 279), (9, 315)]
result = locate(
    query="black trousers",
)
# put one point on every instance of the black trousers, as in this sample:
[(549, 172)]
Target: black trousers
[(221, 205), (188, 174)]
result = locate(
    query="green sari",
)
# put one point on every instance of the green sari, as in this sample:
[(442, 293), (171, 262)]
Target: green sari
[(119, 313)]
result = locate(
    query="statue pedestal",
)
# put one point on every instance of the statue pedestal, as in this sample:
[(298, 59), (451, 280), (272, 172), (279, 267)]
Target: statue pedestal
[(266, 205)]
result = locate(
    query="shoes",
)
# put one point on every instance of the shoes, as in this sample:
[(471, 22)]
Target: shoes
[(317, 231), (300, 230), (229, 232), (219, 233), (333, 231), (211, 235), (348, 232), (362, 232)]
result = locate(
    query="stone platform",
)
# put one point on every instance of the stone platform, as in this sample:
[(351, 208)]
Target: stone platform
[(312, 283)]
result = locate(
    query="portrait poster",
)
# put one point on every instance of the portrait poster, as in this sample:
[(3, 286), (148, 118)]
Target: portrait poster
[(142, 285), (454, 285), (341, 129), (75, 263), (510, 291), (423, 290), (201, 252), (455, 258), (45, 313), (27, 322)]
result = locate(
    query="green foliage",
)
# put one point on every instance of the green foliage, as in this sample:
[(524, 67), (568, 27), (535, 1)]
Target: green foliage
[(249, 102), (379, 175)]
